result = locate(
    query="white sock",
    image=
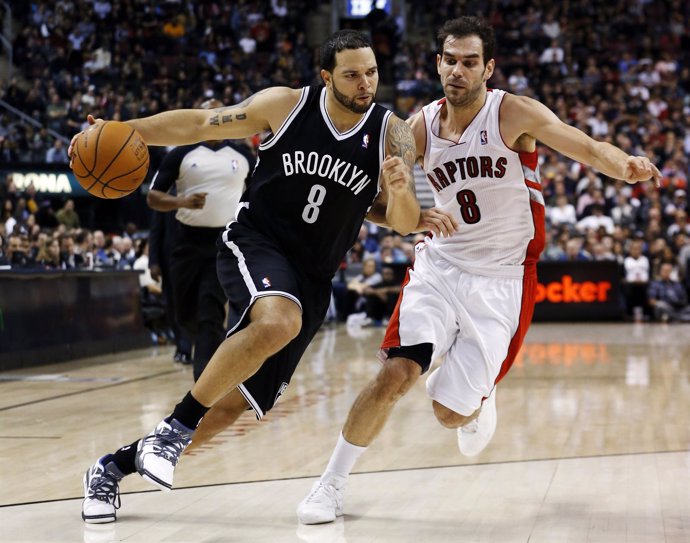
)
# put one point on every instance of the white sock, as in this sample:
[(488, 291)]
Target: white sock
[(343, 459)]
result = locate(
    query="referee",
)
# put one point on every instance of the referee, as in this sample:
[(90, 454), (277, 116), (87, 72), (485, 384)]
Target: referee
[(209, 178)]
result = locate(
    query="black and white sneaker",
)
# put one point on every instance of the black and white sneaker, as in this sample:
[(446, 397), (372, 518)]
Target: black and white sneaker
[(101, 492), (159, 452)]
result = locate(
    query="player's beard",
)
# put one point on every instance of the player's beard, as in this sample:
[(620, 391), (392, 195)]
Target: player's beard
[(464, 100), (350, 103)]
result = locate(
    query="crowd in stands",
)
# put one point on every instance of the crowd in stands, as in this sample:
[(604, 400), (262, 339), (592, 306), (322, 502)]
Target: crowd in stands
[(618, 71), (131, 58)]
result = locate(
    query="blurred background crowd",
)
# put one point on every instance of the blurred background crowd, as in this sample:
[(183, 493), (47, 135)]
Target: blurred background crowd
[(617, 70)]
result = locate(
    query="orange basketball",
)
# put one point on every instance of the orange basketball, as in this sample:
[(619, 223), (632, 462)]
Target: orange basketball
[(110, 159)]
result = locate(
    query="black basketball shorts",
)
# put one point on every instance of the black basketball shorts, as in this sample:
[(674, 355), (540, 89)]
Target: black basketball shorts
[(251, 266)]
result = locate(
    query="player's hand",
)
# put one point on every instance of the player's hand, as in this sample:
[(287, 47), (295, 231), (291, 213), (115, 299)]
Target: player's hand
[(438, 221), (91, 120), (396, 174), (156, 273), (195, 201), (639, 168)]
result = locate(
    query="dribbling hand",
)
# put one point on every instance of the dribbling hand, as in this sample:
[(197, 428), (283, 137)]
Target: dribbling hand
[(91, 120)]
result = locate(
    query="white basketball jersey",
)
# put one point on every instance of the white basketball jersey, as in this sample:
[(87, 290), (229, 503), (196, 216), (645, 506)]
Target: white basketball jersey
[(493, 192)]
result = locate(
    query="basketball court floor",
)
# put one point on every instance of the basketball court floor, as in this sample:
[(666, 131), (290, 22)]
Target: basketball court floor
[(592, 445)]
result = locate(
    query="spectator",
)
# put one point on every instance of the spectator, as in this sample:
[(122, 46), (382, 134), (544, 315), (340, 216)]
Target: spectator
[(356, 287), (48, 257), (680, 224), (668, 298), (124, 252), (16, 255), (553, 54), (596, 220), (518, 81), (636, 266), (591, 196), (45, 216), (552, 249), (7, 217), (67, 215), (390, 251), (381, 298), (83, 241), (574, 251), (562, 213), (69, 258), (152, 303), (623, 213), (57, 154)]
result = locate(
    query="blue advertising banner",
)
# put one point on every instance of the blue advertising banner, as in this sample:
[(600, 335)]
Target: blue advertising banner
[(58, 181)]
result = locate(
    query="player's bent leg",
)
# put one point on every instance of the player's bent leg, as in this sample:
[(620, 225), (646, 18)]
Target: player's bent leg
[(449, 418), (221, 416), (474, 436), (374, 404), (364, 422), (474, 431), (274, 322)]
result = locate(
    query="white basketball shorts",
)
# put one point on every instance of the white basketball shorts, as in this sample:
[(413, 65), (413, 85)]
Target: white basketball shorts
[(476, 323)]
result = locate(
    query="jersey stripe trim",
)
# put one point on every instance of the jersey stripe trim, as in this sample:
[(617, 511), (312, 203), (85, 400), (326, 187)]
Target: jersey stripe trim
[(288, 120), (248, 281), (340, 136), (392, 337), (529, 291), (242, 265), (250, 400), (382, 146), (153, 181), (533, 185), (536, 196)]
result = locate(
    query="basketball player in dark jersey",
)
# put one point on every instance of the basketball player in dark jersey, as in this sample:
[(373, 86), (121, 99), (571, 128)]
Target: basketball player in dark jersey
[(333, 158)]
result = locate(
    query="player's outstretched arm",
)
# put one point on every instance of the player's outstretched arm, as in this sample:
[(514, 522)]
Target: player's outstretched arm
[(265, 110), (402, 207), (527, 116)]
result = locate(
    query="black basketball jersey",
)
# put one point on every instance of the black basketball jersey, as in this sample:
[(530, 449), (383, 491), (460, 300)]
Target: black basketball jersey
[(312, 186)]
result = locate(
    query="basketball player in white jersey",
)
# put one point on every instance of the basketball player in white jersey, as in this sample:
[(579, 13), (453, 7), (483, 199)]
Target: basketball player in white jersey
[(469, 297)]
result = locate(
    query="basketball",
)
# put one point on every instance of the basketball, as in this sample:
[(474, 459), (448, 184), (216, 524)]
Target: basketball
[(110, 159)]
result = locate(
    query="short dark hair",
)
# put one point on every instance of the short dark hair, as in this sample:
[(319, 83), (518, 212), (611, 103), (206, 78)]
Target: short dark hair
[(339, 41), (469, 26)]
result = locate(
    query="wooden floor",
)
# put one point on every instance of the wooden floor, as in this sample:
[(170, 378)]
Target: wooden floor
[(592, 445)]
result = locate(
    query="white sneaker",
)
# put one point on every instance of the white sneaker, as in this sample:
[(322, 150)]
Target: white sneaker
[(356, 319), (159, 452), (324, 503), (101, 493), (475, 436)]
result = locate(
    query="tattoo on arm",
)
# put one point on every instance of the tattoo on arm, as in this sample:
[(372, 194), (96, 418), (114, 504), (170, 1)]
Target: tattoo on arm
[(400, 142), (224, 116)]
